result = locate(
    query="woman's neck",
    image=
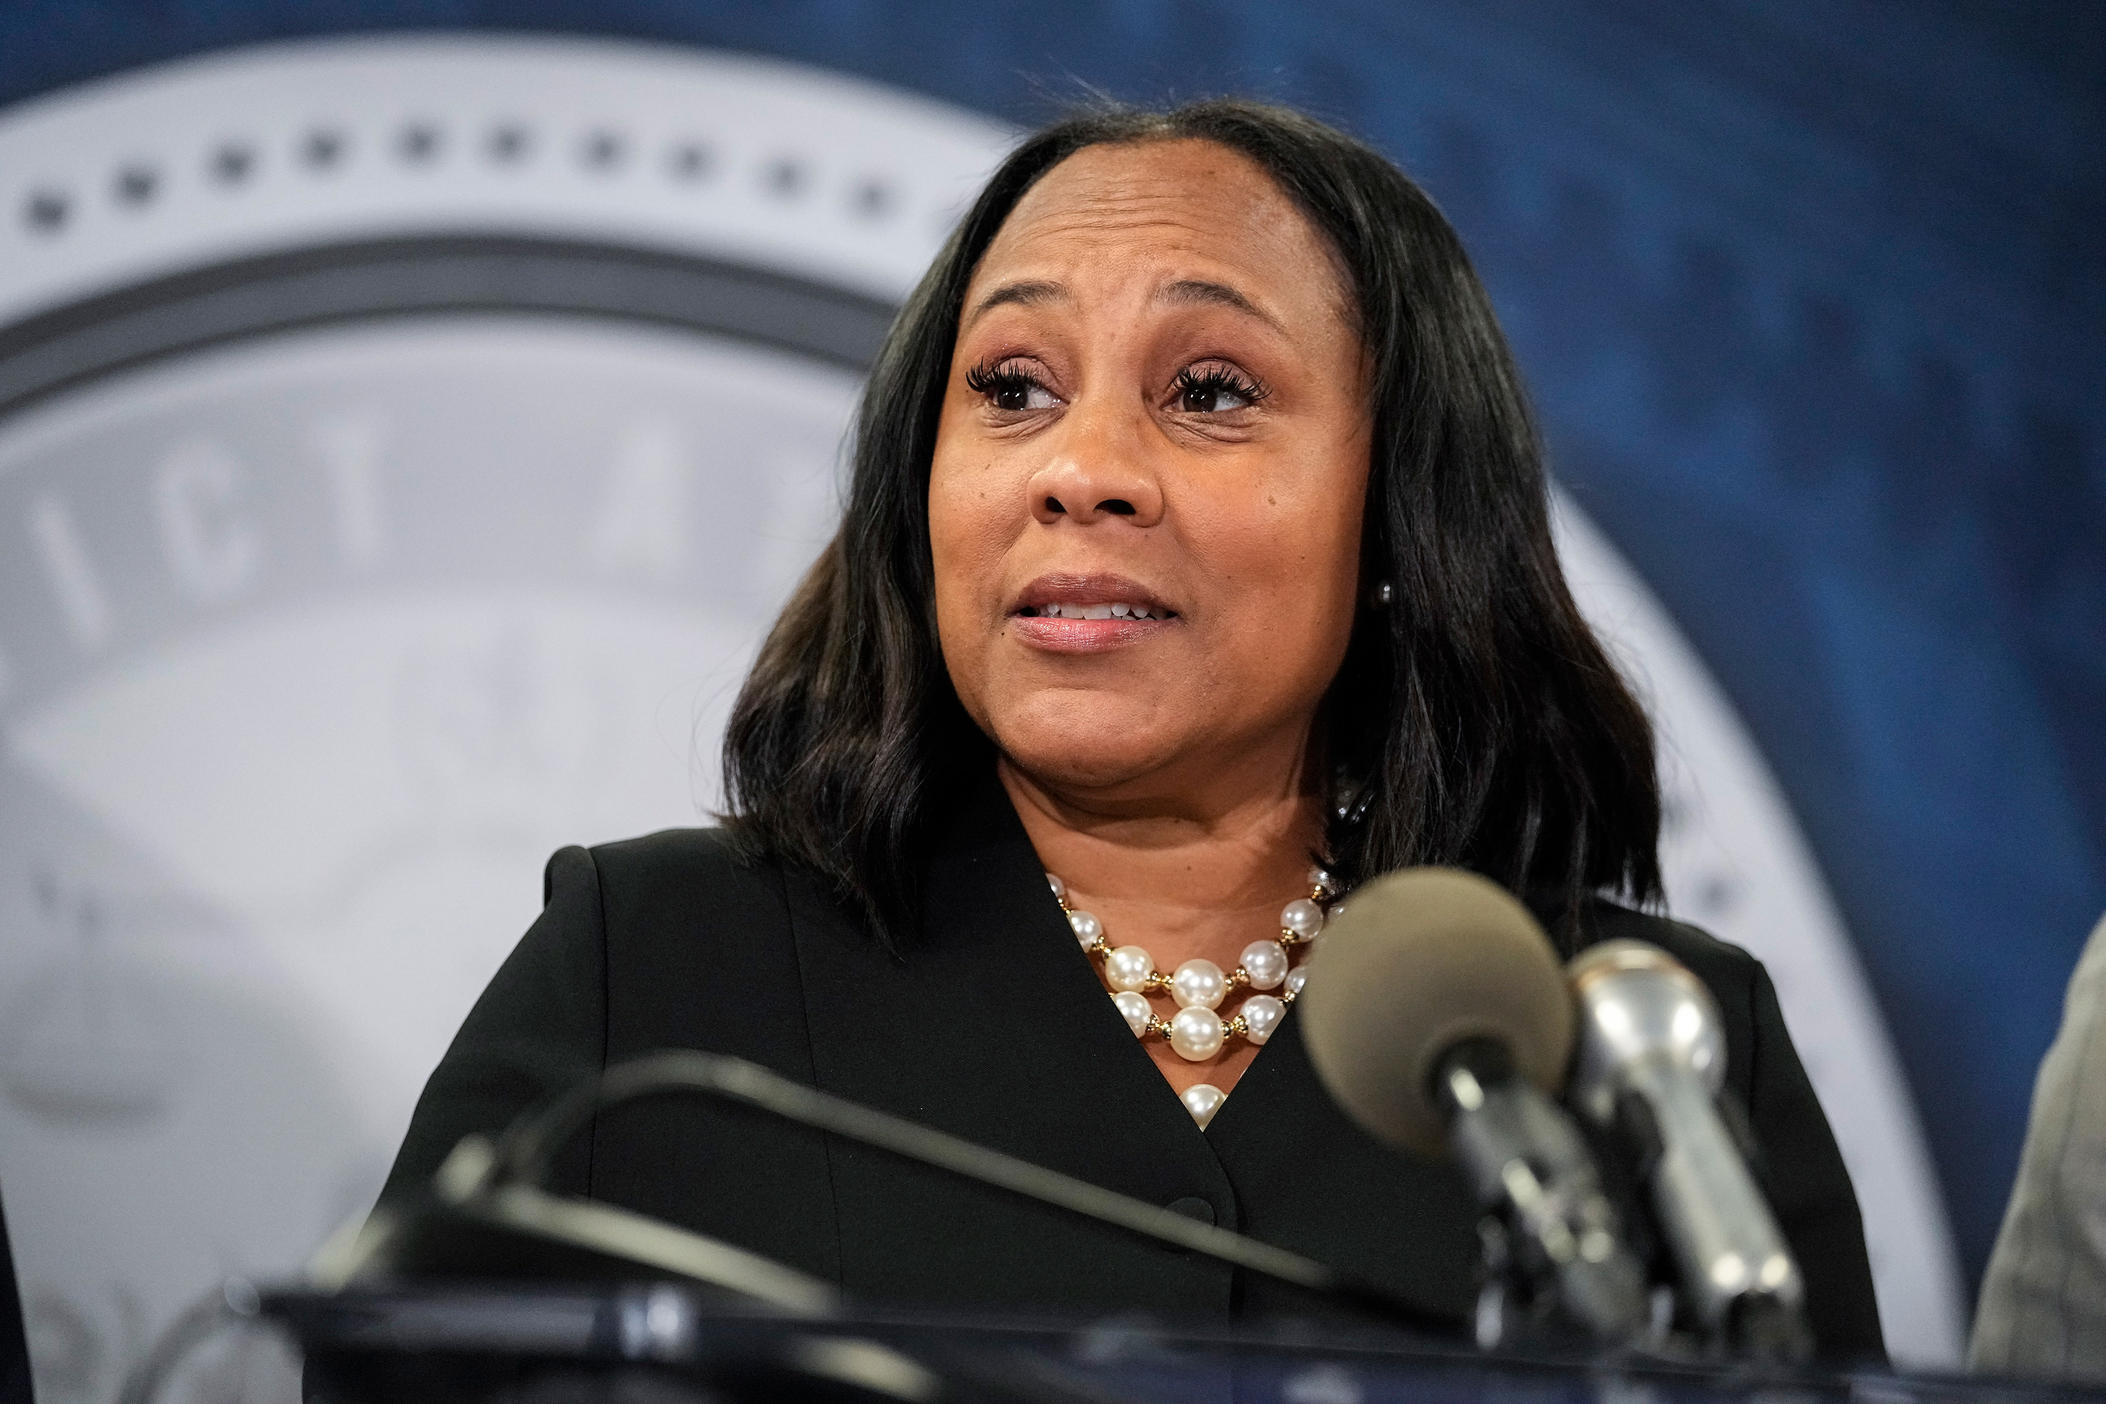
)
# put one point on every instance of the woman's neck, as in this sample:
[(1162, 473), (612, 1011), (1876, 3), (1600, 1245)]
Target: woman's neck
[(1182, 875)]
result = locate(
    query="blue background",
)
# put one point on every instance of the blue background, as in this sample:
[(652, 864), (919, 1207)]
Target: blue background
[(1812, 295)]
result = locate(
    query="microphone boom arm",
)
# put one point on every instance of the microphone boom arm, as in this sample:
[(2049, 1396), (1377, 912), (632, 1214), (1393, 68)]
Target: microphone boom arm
[(526, 1150)]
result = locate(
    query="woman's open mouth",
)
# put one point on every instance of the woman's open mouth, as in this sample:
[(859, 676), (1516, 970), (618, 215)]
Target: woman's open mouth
[(1118, 609), (1087, 613)]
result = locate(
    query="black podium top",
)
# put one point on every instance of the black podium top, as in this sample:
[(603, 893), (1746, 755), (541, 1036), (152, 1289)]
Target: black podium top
[(670, 1344)]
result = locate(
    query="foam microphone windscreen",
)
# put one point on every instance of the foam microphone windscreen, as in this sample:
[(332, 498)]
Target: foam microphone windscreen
[(1418, 961)]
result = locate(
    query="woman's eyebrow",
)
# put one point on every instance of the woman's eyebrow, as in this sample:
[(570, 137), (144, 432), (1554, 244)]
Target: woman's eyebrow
[(1187, 291), (1027, 293)]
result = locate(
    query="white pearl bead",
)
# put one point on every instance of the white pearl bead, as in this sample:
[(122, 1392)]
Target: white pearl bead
[(1198, 982), (1203, 1099), (1261, 1015), (1060, 889), (1128, 968), (1135, 1009), (1196, 1033), (1086, 927), (1298, 979), (1302, 916), (1333, 912), (1266, 964), (1320, 877)]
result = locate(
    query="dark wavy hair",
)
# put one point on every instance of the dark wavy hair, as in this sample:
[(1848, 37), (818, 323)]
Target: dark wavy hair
[(1475, 720)]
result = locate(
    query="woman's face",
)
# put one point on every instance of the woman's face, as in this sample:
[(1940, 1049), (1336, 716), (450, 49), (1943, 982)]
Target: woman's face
[(1146, 499)]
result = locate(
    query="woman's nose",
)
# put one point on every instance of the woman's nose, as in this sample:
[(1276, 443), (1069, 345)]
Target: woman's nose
[(1095, 473)]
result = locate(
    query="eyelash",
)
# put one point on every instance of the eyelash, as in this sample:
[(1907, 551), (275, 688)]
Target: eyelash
[(1218, 379), (993, 381)]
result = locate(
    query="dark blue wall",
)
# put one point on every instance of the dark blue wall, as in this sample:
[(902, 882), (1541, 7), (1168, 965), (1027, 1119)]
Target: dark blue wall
[(1813, 297)]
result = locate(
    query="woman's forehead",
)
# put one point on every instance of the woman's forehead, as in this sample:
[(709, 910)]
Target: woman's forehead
[(1186, 206)]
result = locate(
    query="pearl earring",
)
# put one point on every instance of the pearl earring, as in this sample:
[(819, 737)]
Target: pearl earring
[(1381, 595)]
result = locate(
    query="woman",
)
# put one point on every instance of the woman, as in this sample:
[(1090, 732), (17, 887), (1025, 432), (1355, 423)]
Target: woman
[(1197, 533)]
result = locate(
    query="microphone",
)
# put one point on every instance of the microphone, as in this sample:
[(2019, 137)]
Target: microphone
[(1652, 1057), (1438, 1019)]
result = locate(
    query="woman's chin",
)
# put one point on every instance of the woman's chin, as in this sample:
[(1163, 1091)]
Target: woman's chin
[(1087, 758)]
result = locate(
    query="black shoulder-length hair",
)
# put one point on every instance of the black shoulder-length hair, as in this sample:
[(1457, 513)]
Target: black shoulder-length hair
[(1475, 720)]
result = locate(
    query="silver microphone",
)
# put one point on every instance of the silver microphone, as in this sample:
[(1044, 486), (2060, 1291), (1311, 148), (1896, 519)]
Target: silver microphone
[(1650, 1061)]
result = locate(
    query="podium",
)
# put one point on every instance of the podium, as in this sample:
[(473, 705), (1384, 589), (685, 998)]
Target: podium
[(669, 1343)]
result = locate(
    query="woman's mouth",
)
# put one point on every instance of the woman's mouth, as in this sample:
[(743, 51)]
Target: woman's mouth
[(1087, 613), (1117, 609)]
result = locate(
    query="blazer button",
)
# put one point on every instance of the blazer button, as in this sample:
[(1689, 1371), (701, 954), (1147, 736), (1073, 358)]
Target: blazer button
[(1193, 1207)]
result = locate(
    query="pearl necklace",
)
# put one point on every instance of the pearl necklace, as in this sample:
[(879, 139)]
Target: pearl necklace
[(1196, 1032)]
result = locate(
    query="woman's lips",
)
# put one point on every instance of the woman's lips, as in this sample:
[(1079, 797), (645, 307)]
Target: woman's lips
[(1063, 635), (1088, 613)]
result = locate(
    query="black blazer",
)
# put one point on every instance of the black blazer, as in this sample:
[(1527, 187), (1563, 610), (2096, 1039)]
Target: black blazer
[(995, 1027)]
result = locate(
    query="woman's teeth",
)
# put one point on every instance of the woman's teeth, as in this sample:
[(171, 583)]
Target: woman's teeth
[(1097, 611)]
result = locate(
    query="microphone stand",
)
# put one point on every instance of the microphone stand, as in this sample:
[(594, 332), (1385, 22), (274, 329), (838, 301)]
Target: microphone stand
[(1557, 1267)]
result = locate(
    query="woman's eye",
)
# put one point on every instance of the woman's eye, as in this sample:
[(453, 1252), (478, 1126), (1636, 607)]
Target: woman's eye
[(1010, 389), (1215, 392)]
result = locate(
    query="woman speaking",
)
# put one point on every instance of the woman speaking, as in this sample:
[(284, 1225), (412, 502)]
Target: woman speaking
[(1195, 564)]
